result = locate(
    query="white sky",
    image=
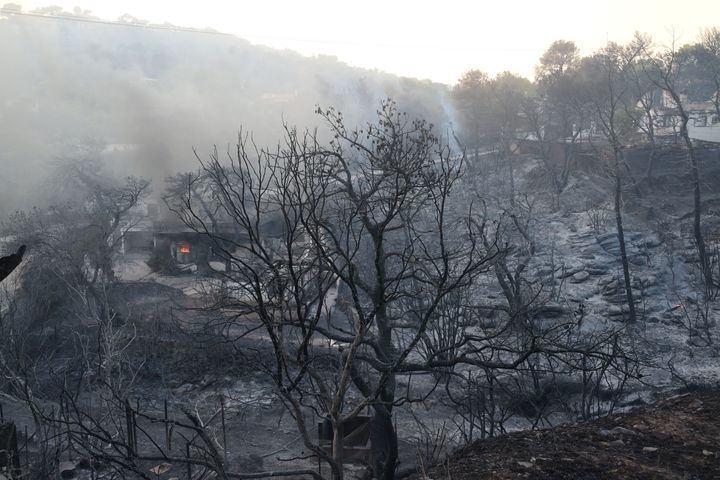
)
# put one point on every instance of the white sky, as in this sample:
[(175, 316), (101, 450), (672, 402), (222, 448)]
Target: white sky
[(437, 40)]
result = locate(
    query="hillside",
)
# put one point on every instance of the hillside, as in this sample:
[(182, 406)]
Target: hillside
[(676, 438), (141, 98)]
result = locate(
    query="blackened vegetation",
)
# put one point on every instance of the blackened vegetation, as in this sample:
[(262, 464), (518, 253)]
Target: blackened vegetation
[(675, 438), (354, 276), (11, 262), (9, 451), (373, 279)]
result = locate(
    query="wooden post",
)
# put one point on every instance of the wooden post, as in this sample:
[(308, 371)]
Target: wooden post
[(134, 418), (130, 428), (54, 428), (27, 453), (168, 442), (222, 419), (69, 440), (187, 455)]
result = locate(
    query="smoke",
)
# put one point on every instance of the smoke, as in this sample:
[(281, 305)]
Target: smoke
[(143, 98)]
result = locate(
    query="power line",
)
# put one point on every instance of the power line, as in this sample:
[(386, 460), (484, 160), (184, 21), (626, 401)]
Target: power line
[(74, 18), (468, 48)]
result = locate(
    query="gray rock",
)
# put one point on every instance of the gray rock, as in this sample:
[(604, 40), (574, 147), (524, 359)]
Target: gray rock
[(552, 310), (597, 271), (589, 293), (580, 277), (648, 280), (184, 388), (545, 271), (605, 237), (616, 432), (637, 260), (610, 288), (618, 299), (599, 265), (671, 322), (593, 250), (696, 341), (650, 240), (653, 291), (610, 245), (570, 270)]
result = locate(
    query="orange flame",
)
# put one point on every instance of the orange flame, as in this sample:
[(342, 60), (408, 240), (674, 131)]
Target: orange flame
[(184, 249)]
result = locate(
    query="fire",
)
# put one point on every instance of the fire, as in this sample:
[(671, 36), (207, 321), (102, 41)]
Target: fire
[(184, 249)]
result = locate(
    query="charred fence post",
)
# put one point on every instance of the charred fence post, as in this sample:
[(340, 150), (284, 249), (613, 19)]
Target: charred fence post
[(9, 455), (168, 441), (130, 427), (134, 419), (27, 452), (222, 419), (189, 465)]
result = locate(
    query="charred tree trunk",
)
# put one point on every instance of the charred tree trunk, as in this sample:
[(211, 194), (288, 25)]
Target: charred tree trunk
[(651, 163), (568, 157), (202, 260), (384, 437), (697, 208), (337, 448), (384, 444), (695, 174), (621, 238), (511, 168)]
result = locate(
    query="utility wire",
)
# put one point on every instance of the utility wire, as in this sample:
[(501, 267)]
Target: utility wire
[(74, 18)]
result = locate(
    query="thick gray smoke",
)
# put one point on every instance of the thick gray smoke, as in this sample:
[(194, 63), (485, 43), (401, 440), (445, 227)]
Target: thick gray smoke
[(142, 98)]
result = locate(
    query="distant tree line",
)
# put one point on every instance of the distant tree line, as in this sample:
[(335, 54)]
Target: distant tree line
[(618, 97)]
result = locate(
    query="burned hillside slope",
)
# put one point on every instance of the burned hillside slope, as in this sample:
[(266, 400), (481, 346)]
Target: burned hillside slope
[(676, 438)]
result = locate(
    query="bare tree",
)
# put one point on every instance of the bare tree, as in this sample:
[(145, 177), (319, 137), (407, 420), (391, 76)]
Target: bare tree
[(566, 368), (508, 93), (642, 104), (471, 97), (78, 240), (669, 66), (359, 262), (560, 113), (491, 112), (65, 282), (607, 83), (358, 270), (708, 56)]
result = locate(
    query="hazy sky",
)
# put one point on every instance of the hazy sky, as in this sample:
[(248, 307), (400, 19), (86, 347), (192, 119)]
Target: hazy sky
[(438, 40)]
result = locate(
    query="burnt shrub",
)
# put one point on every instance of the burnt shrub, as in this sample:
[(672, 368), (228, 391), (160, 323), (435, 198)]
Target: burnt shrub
[(161, 261)]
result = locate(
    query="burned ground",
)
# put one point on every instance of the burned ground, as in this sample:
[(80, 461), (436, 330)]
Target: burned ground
[(181, 353), (675, 438)]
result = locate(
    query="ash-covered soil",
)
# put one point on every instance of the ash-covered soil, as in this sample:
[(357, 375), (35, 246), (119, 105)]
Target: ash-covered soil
[(676, 438), (180, 352)]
